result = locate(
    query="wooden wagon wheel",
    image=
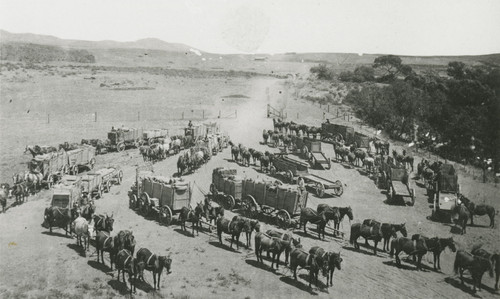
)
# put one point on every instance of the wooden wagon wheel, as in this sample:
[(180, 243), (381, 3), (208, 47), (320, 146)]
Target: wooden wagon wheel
[(283, 219), (120, 177), (412, 193), (165, 215), (251, 206), (120, 147), (133, 201), (107, 186), (320, 189), (229, 202), (340, 189), (144, 202), (289, 176)]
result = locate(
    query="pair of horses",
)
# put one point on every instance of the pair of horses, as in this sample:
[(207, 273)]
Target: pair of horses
[(276, 243), (104, 242), (376, 231), (322, 215), (235, 227), (477, 262), (418, 246)]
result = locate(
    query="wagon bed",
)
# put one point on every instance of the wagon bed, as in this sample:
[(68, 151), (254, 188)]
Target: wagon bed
[(399, 186), (320, 184)]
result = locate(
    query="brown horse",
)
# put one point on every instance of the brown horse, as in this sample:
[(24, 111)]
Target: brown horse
[(479, 210), (407, 245), (271, 245), (476, 265), (333, 261), (373, 233), (286, 239), (232, 227), (103, 223), (249, 226), (125, 262), (300, 257), (463, 216), (309, 215), (59, 217), (193, 216), (436, 246), (153, 263), (331, 213), (494, 258), (105, 243), (126, 240)]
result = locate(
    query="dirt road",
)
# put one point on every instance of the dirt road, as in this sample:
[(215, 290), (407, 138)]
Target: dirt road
[(35, 263)]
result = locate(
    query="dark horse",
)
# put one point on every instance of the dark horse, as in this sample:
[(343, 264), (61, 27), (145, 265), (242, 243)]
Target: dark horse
[(333, 261), (103, 223), (270, 244), (368, 232), (125, 240), (287, 240), (211, 213), (479, 210), (388, 230), (248, 228), (463, 216), (125, 262), (232, 227), (494, 258), (104, 242), (476, 265), (309, 215), (193, 216), (59, 217), (331, 213), (153, 263), (407, 245), (300, 257), (436, 246)]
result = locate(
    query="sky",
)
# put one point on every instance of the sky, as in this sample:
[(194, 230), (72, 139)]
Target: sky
[(401, 27)]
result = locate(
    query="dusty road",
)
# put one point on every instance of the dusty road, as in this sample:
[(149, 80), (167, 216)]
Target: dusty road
[(37, 264)]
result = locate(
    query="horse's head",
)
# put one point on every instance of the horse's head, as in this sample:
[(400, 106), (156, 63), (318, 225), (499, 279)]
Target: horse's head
[(349, 213), (165, 262), (295, 242), (108, 222), (451, 244), (402, 229), (336, 260), (139, 267), (255, 225)]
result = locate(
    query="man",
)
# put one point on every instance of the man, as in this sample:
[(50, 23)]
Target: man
[(190, 124), (302, 184)]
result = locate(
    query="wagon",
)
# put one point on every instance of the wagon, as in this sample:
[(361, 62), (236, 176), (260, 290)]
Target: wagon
[(91, 184), (281, 203), (335, 132), (109, 176), (312, 150), (120, 139), (51, 166), (320, 185), (197, 131), (84, 156), (447, 192), (399, 186), (288, 168), (361, 140), (154, 136), (226, 188), (162, 197)]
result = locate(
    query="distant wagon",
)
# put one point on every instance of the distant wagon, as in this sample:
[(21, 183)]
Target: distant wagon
[(446, 193), (399, 188), (335, 132), (312, 151), (96, 182), (82, 157), (50, 166), (120, 139), (154, 136), (226, 187)]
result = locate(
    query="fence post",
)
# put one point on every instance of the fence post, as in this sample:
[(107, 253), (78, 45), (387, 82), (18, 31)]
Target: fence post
[(48, 118)]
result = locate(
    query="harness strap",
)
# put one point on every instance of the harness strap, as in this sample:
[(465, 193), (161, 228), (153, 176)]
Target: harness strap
[(106, 241), (229, 226), (147, 262), (126, 260)]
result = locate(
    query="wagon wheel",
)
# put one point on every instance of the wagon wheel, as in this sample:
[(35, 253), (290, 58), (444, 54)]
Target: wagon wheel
[(250, 206), (144, 203), (92, 163), (283, 219), (289, 176), (338, 190), (107, 187), (120, 147), (120, 177), (273, 170), (50, 181), (213, 189), (320, 189), (229, 202), (165, 215), (412, 194), (132, 202)]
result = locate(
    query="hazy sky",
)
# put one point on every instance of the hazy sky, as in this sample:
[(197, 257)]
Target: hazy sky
[(420, 27)]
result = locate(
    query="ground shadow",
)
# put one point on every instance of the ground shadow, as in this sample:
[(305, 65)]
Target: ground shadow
[(363, 251), (101, 267), (402, 266), (144, 286), (309, 235), (223, 246), (57, 234), (464, 288), (468, 280), (456, 230), (298, 284), (78, 249), (262, 266), (321, 286), (120, 286), (186, 233)]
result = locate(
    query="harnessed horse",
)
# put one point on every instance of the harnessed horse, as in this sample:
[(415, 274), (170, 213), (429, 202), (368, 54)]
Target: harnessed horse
[(153, 263)]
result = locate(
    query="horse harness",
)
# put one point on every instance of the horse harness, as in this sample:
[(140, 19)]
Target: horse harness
[(128, 257), (149, 259)]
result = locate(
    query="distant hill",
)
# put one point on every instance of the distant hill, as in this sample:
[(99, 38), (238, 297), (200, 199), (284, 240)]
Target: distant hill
[(147, 43), (35, 53)]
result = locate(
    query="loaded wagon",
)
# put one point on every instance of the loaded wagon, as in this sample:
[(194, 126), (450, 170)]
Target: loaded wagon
[(120, 139), (92, 185), (226, 188), (154, 136), (161, 197), (84, 156), (446, 193), (50, 166), (280, 203), (197, 131), (399, 188), (109, 176), (334, 132)]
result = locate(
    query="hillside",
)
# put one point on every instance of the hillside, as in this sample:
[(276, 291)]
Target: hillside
[(34, 53)]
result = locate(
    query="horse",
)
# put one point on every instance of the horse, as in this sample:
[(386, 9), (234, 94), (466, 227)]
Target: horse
[(360, 155), (257, 156), (105, 243), (125, 262), (153, 263), (125, 240), (331, 213), (211, 213), (479, 210), (333, 260), (4, 194), (59, 217), (369, 163), (103, 223), (20, 192), (235, 151), (321, 257), (249, 227), (436, 246), (389, 230), (286, 239), (193, 216), (88, 210), (80, 227), (340, 150), (182, 164), (476, 265), (407, 245), (343, 212), (309, 215), (264, 163), (463, 216), (368, 232), (299, 257), (33, 180), (144, 150), (494, 258), (231, 227), (265, 136), (269, 244), (245, 157)]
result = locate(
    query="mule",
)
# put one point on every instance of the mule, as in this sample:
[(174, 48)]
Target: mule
[(331, 213), (105, 243), (343, 212), (495, 261), (333, 261), (59, 217), (321, 257), (87, 211), (103, 223), (153, 263), (182, 164), (389, 230), (309, 215), (373, 233), (436, 246), (248, 228), (125, 262), (463, 216), (80, 227), (231, 227), (193, 216), (404, 244), (287, 240), (476, 265), (211, 213), (300, 257), (125, 240), (270, 244), (481, 210)]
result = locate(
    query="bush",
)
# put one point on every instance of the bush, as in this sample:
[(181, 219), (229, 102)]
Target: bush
[(322, 72)]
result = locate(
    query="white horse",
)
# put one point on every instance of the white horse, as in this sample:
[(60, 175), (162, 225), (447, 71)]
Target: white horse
[(82, 229)]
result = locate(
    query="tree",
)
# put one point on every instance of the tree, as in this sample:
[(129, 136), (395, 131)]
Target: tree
[(322, 72), (392, 66), (456, 69)]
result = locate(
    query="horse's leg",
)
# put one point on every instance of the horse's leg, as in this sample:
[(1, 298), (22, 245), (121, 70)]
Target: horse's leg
[(154, 280), (159, 276), (436, 257), (461, 276), (398, 261), (471, 219), (375, 247)]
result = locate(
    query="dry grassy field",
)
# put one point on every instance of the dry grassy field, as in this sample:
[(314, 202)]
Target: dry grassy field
[(37, 264)]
